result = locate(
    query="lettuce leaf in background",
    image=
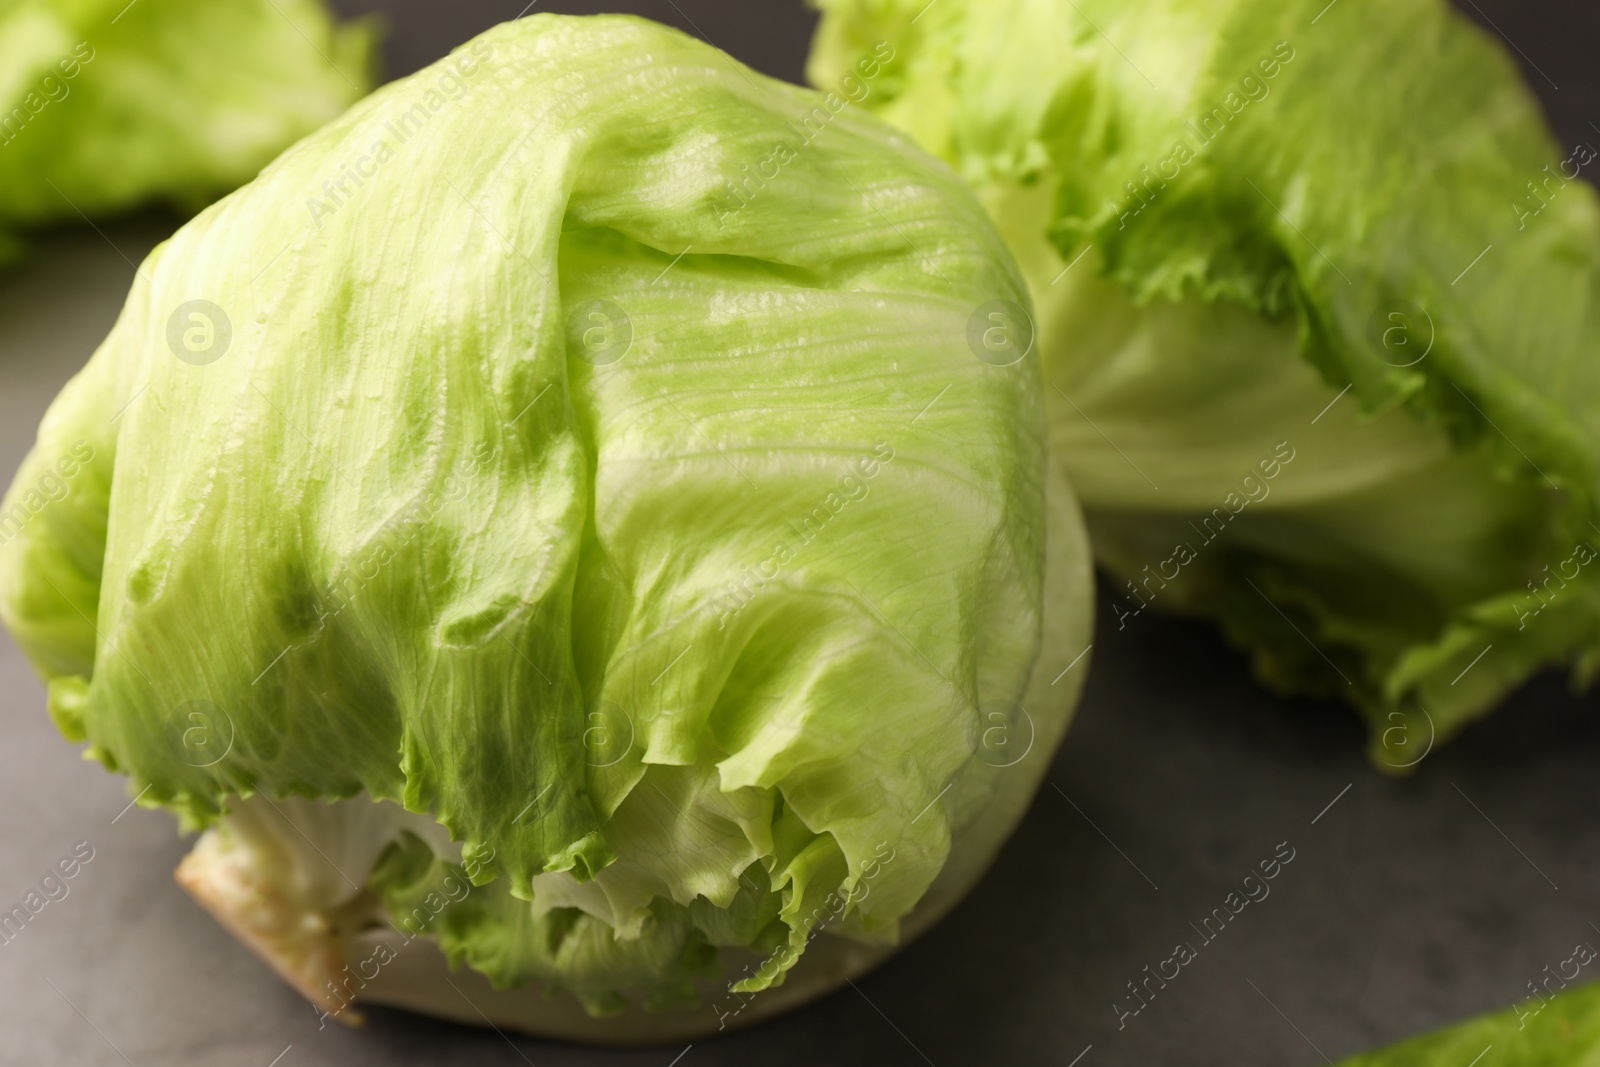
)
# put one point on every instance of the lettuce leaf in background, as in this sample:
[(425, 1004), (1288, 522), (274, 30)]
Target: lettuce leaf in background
[(661, 552), (1559, 1030), (1316, 297), (106, 104)]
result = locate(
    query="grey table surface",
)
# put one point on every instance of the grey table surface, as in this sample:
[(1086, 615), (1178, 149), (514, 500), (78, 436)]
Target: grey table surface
[(1409, 903)]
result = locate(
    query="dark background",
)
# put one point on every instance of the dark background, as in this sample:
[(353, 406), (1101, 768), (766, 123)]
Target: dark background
[(1405, 907)]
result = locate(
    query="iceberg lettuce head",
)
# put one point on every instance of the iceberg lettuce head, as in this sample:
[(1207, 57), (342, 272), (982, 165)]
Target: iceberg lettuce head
[(584, 512), (1318, 299)]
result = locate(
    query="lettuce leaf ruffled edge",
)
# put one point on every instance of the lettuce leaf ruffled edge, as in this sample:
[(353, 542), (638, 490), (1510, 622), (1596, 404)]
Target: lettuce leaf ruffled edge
[(1427, 693), (279, 875)]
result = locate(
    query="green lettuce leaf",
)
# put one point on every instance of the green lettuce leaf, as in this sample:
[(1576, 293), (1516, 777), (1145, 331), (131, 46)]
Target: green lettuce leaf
[(677, 545), (562, 947), (1559, 1030), (1317, 299), (106, 104)]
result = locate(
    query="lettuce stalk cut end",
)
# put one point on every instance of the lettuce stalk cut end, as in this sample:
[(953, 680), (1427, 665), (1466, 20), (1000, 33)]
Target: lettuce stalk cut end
[(598, 490), (1311, 372)]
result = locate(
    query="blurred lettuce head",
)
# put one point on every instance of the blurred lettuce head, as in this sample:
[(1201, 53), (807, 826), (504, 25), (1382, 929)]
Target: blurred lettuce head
[(586, 509), (107, 104), (1318, 298)]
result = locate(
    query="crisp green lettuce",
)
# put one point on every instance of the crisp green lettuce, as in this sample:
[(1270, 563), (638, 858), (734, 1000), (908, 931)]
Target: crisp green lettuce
[(107, 104), (609, 453), (1317, 295)]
